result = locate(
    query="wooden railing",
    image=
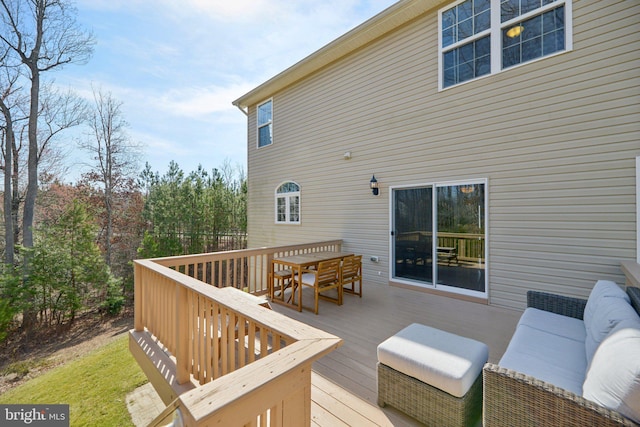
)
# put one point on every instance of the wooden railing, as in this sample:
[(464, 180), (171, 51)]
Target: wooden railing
[(246, 269), (469, 247), (218, 356), (631, 270)]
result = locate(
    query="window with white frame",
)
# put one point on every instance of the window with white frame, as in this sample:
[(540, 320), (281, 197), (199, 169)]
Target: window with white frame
[(288, 203), (265, 123), (481, 37)]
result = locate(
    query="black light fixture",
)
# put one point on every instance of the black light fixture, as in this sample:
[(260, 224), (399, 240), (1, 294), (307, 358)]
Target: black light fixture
[(373, 184)]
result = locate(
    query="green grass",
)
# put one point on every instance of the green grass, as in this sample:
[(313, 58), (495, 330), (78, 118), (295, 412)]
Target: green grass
[(94, 386), (22, 368)]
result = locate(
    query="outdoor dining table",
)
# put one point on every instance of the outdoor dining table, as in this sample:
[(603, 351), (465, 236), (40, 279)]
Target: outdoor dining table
[(297, 263)]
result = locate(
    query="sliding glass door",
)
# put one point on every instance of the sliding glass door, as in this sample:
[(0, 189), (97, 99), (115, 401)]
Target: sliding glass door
[(413, 234), (439, 236)]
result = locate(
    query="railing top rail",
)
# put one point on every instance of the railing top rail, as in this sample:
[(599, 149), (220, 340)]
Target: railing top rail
[(239, 253)]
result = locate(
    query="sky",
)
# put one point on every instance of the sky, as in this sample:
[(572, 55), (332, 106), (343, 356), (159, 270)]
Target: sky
[(177, 66)]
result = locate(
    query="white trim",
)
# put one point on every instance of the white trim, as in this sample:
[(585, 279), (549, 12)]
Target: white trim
[(434, 284), (638, 209), (496, 44), (496, 38)]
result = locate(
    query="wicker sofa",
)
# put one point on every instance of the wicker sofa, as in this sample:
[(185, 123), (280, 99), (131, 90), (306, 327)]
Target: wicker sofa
[(570, 362)]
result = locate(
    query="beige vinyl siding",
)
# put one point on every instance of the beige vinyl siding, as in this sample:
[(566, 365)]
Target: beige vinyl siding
[(556, 138)]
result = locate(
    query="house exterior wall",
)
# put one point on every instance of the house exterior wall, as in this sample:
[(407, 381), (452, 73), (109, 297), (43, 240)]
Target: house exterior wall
[(557, 140)]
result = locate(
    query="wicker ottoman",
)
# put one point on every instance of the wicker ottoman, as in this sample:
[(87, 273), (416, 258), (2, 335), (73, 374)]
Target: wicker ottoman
[(432, 375)]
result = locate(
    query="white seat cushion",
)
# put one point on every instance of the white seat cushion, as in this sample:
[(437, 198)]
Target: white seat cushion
[(308, 279), (447, 361), (549, 357), (556, 324)]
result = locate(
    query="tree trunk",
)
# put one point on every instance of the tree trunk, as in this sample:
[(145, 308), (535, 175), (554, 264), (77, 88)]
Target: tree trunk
[(29, 315), (15, 198), (32, 163), (8, 168), (109, 231)]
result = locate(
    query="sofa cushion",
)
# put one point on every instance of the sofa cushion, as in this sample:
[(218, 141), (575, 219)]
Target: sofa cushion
[(613, 378), (610, 312), (602, 289), (547, 356), (564, 326), (607, 305)]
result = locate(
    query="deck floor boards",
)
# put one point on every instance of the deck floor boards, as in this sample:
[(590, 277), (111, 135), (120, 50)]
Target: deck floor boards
[(345, 379)]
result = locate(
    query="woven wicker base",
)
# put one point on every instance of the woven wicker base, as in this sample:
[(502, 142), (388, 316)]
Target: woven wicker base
[(426, 403)]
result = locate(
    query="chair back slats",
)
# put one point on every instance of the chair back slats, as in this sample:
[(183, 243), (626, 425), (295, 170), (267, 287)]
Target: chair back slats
[(351, 266), (352, 274), (328, 272)]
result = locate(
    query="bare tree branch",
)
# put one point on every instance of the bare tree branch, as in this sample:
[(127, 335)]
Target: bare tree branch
[(115, 156)]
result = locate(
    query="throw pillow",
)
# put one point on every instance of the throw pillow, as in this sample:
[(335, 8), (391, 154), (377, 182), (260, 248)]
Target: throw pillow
[(607, 305), (613, 379)]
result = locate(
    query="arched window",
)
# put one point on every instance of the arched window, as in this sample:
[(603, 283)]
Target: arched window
[(288, 203)]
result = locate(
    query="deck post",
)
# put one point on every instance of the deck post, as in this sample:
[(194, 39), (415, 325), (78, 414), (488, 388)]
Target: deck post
[(138, 322)]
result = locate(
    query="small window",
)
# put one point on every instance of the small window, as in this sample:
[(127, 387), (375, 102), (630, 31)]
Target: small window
[(265, 123), (470, 47), (288, 203)]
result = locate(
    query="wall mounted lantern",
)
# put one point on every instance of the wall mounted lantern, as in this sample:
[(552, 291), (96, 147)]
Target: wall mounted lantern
[(373, 184)]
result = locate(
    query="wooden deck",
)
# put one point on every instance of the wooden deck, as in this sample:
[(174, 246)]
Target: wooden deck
[(344, 381)]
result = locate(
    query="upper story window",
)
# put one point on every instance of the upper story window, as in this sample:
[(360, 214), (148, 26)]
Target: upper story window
[(265, 123), (480, 37), (288, 203)]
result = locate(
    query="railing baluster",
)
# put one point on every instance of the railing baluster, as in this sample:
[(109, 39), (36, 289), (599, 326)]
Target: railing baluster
[(202, 337), (224, 341), (231, 336), (207, 342), (242, 334), (216, 340), (182, 340), (191, 325), (264, 342), (252, 341)]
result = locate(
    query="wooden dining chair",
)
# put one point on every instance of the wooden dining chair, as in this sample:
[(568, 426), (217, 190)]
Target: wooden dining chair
[(279, 281), (352, 274), (324, 278)]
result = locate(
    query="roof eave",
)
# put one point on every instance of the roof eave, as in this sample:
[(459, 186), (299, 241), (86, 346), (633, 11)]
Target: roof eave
[(372, 29)]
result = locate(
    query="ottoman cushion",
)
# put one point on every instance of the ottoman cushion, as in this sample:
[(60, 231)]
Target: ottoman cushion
[(447, 361)]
